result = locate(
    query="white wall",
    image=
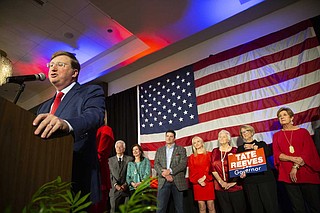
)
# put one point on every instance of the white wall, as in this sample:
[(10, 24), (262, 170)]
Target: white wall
[(278, 20)]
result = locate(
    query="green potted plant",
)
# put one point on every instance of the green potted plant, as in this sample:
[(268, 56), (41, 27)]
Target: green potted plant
[(56, 196), (143, 199)]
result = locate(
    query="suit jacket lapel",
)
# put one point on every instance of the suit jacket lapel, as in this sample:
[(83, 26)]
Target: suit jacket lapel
[(164, 154), (173, 154), (67, 99), (45, 108)]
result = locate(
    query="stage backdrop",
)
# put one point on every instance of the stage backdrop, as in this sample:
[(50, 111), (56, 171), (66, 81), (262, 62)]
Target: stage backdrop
[(243, 85)]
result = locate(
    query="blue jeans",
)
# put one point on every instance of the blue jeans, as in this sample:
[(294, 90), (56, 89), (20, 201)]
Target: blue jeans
[(164, 195)]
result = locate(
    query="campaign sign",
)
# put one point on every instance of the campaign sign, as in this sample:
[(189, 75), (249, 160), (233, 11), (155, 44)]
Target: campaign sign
[(252, 161)]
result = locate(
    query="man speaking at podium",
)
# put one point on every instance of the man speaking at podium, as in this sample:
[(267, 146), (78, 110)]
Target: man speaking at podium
[(77, 110)]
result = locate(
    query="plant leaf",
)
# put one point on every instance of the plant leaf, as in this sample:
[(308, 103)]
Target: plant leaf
[(55, 196), (82, 207), (82, 200), (70, 196)]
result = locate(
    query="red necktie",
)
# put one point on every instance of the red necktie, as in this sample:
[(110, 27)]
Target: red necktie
[(56, 102)]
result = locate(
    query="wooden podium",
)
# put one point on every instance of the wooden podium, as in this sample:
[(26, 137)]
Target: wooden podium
[(26, 160)]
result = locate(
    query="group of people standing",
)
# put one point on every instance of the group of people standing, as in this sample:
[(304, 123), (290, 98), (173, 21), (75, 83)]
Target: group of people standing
[(209, 174), (295, 158), (126, 173), (296, 161)]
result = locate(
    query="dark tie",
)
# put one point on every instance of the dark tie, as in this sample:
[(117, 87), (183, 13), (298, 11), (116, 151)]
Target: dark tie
[(56, 102), (119, 161)]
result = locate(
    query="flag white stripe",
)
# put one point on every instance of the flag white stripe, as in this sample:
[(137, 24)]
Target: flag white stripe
[(257, 116), (258, 94), (257, 53), (251, 117), (261, 136), (307, 55)]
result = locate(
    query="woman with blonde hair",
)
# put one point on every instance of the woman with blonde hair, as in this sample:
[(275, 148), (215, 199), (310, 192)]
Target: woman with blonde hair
[(200, 176)]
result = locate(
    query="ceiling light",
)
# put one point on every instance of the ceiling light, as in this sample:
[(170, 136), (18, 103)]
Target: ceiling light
[(5, 67)]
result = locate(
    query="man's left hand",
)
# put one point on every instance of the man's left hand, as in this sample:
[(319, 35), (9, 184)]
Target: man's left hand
[(47, 124)]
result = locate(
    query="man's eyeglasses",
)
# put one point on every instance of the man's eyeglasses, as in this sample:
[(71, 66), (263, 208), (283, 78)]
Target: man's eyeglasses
[(59, 64)]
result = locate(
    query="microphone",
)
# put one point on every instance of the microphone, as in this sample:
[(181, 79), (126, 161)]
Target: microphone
[(23, 78)]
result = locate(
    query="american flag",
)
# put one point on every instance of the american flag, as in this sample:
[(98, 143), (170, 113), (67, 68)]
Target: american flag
[(243, 85)]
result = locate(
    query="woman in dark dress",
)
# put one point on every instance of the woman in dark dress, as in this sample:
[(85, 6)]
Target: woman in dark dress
[(260, 188)]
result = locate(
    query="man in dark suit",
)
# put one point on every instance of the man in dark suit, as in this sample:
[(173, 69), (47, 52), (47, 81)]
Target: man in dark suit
[(80, 113), (119, 192), (170, 163)]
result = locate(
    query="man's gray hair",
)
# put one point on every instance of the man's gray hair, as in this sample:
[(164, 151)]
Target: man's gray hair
[(122, 142)]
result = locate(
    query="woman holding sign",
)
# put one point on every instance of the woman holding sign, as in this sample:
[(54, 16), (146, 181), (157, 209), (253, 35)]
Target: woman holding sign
[(260, 188), (298, 162), (229, 194), (200, 176)]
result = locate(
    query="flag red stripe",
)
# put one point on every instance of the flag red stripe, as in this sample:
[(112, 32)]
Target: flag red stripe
[(302, 117), (257, 63), (261, 126), (264, 126), (258, 43), (273, 79), (265, 103), (297, 62)]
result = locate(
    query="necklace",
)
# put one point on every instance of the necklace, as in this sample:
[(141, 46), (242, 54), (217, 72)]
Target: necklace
[(291, 148), (222, 162)]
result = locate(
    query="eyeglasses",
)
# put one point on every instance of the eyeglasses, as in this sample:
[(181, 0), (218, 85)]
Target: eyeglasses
[(59, 64), (245, 131)]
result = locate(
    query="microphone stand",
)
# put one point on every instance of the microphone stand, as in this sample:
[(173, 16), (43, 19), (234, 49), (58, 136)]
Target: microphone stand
[(21, 89)]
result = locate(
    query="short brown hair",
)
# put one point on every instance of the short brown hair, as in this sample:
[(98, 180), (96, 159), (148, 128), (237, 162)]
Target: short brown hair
[(74, 61), (171, 131), (287, 109)]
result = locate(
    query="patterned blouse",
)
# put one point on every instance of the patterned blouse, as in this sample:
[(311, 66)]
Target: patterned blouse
[(138, 171)]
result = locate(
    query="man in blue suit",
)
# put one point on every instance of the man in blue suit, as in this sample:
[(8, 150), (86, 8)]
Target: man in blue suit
[(80, 113)]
